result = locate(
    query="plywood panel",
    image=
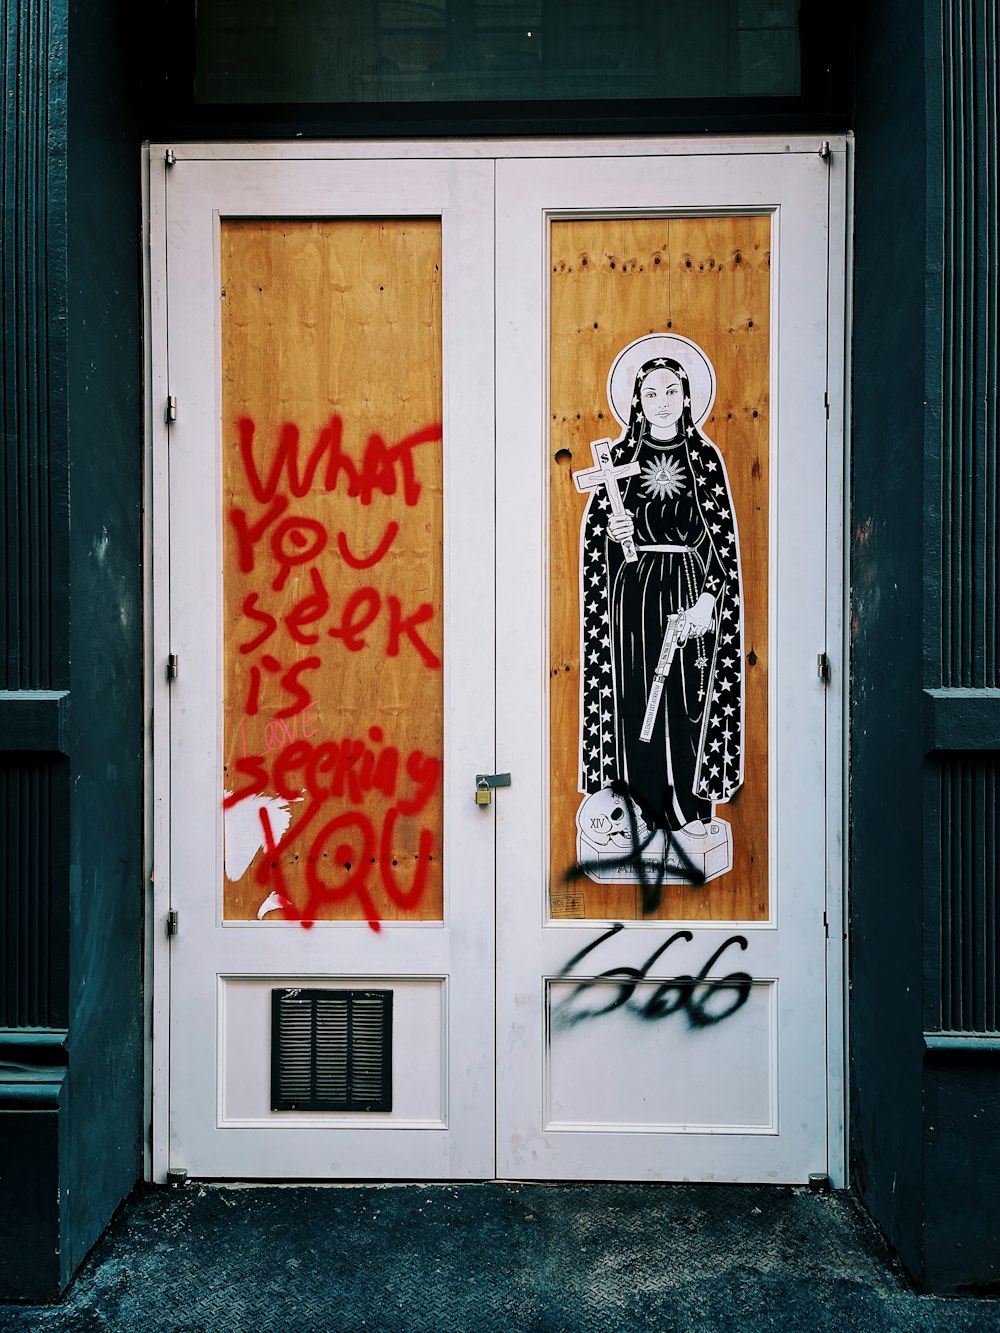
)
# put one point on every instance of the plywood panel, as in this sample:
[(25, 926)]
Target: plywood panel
[(332, 517), (707, 279)]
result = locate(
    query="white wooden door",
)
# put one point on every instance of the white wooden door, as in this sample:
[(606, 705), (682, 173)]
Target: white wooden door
[(654, 1004), (680, 1032), (314, 237)]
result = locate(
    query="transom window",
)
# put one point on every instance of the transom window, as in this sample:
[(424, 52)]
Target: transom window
[(390, 51)]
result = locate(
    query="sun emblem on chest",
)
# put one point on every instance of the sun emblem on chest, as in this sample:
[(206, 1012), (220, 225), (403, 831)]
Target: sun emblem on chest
[(663, 477)]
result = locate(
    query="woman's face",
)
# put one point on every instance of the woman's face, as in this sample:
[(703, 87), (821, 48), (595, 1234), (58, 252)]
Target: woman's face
[(662, 399)]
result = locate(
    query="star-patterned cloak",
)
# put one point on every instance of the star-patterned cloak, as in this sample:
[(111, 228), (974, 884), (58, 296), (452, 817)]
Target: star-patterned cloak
[(718, 761)]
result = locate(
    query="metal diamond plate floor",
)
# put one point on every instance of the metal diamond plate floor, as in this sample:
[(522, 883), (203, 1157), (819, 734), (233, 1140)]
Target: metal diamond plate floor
[(517, 1258)]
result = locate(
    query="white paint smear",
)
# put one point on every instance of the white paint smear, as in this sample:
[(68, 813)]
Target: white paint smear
[(244, 834), (272, 903)]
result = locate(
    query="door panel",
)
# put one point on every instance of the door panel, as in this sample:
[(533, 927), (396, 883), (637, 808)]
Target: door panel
[(661, 993), (326, 854), (709, 278), (341, 585)]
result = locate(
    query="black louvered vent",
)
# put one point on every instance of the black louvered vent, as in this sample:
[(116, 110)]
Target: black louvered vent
[(331, 1050)]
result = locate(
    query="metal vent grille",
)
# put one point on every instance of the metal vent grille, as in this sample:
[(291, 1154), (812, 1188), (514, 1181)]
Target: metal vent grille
[(331, 1050)]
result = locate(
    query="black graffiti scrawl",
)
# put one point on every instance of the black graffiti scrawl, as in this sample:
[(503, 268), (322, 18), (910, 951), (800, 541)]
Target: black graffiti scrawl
[(661, 612)]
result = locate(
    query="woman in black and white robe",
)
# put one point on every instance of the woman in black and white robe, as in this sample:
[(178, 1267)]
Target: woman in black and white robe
[(681, 520)]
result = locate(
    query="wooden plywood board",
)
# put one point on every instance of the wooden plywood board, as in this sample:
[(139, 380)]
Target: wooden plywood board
[(332, 574), (614, 281)]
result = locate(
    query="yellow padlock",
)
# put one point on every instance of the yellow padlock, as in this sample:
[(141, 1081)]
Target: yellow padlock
[(483, 795)]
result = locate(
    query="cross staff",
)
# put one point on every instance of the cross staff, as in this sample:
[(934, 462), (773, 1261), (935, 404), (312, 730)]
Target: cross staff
[(606, 474)]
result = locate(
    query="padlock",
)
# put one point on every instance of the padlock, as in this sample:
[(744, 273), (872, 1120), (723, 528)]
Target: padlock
[(483, 794)]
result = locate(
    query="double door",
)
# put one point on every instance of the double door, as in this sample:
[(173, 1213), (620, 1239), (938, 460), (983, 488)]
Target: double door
[(478, 463)]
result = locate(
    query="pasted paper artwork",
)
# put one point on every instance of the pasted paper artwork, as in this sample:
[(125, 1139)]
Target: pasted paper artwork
[(661, 617)]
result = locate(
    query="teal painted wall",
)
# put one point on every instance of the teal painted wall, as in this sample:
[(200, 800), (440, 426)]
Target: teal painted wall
[(71, 794), (106, 444), (925, 703), (887, 552)]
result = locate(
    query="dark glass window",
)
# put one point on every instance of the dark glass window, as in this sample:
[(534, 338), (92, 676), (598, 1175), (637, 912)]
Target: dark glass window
[(442, 51)]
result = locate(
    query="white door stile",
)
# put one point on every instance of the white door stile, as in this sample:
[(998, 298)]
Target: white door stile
[(838, 647), (789, 950), (207, 956), (157, 647)]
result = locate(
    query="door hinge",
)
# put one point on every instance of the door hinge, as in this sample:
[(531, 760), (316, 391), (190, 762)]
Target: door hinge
[(171, 410), (824, 150), (169, 157), (826, 926), (173, 666), (823, 667), (826, 404), (173, 921)]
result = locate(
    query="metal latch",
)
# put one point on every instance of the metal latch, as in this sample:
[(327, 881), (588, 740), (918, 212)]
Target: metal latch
[(486, 783)]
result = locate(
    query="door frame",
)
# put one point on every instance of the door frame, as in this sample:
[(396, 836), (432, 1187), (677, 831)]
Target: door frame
[(155, 166)]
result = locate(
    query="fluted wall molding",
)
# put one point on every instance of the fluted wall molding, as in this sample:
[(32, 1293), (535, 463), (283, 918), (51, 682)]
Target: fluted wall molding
[(970, 481), (962, 709), (34, 516)]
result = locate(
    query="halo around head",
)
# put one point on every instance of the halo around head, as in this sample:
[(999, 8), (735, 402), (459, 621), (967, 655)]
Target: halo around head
[(629, 361)]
